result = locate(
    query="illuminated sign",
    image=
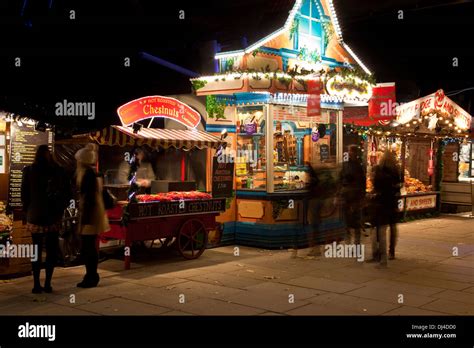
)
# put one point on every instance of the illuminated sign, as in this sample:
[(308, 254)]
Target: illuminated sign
[(349, 88), (436, 103), (157, 106)]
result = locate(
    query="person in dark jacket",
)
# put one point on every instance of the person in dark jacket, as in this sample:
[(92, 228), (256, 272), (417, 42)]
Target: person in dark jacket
[(44, 198), (92, 216), (386, 179), (353, 185)]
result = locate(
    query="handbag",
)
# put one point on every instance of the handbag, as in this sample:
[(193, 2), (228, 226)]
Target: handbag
[(110, 201)]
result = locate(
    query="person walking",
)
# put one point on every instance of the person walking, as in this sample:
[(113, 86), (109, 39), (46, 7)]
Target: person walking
[(92, 216), (386, 179), (353, 185), (44, 196)]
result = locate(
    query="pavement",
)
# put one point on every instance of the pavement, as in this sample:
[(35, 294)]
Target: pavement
[(433, 274)]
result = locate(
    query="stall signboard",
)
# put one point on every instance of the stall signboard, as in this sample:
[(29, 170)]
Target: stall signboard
[(24, 140), (314, 97), (420, 202), (350, 88), (160, 209), (222, 178), (160, 107), (436, 103), (324, 152), (382, 104)]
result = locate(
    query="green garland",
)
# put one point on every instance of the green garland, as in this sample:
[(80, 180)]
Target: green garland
[(214, 108), (348, 72), (198, 84)]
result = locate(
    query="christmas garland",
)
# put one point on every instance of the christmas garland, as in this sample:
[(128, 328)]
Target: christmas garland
[(214, 108)]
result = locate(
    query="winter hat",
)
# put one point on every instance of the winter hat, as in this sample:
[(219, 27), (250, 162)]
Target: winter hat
[(87, 155)]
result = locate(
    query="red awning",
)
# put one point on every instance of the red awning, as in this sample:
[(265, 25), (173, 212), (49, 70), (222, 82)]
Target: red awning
[(155, 138)]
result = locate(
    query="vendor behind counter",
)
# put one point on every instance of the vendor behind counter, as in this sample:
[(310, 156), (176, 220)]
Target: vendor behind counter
[(145, 172)]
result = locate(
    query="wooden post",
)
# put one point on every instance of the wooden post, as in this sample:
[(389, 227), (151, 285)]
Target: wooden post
[(403, 158)]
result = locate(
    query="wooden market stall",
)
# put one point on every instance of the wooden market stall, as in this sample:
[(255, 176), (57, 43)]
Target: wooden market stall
[(282, 100)]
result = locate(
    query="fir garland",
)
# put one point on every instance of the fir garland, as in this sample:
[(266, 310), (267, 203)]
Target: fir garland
[(214, 108)]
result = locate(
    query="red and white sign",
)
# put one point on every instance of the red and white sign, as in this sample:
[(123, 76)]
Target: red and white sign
[(437, 103), (382, 104), (314, 97), (158, 106), (421, 202)]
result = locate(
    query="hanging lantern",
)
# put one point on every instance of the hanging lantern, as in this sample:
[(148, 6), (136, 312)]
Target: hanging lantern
[(430, 161)]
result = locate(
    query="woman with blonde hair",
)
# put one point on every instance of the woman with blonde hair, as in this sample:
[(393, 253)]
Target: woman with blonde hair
[(92, 216)]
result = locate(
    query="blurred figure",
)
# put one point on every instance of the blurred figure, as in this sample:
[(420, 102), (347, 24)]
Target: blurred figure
[(313, 207), (92, 216), (386, 179), (353, 185), (44, 195), (145, 172)]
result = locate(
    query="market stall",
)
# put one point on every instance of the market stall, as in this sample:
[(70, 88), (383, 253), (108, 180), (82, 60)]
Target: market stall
[(282, 102), (172, 209), (19, 137), (427, 136)]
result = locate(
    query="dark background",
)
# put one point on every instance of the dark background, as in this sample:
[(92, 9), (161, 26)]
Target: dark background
[(82, 59)]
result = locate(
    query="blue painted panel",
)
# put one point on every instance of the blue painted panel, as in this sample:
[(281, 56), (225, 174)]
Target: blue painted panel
[(219, 128), (305, 7)]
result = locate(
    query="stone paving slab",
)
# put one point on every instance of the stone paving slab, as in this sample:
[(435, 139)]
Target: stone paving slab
[(207, 306), (391, 296), (317, 309), (226, 280), (262, 301), (453, 269), (357, 304), (122, 306), (450, 307), (459, 296), (402, 287), (323, 284), (432, 282), (406, 310), (426, 273)]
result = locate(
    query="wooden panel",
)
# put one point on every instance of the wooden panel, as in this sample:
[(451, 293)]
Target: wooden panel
[(250, 209), (451, 168), (417, 163)]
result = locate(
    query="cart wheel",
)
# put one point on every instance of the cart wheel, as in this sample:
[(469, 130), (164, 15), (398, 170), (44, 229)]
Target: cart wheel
[(192, 239)]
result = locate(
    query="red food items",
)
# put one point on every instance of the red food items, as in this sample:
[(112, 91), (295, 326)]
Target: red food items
[(174, 196)]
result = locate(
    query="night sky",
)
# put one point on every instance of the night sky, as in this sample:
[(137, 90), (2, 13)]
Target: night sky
[(82, 59)]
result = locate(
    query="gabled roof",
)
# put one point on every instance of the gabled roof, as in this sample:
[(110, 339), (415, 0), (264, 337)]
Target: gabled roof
[(279, 7)]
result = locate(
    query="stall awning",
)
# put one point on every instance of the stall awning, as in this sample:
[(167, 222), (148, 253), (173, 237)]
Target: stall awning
[(155, 138)]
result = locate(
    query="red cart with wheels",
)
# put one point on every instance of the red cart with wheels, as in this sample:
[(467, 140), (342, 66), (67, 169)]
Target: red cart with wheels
[(187, 221)]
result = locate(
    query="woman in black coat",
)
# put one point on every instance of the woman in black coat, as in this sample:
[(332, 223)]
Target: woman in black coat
[(44, 195)]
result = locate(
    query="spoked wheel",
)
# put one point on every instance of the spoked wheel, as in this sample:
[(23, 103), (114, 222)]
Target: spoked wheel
[(192, 239)]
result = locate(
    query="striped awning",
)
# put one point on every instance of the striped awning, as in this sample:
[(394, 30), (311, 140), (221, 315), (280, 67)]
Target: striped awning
[(155, 138)]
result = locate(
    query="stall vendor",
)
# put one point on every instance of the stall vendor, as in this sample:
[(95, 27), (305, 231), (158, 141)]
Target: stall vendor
[(145, 172)]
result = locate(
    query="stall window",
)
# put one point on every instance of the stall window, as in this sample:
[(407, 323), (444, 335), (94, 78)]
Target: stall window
[(250, 159), (466, 161)]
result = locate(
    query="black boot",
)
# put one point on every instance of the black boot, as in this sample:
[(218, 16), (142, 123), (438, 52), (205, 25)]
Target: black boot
[(47, 283), (36, 265)]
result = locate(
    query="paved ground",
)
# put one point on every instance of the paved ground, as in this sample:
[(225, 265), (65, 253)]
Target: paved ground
[(426, 279)]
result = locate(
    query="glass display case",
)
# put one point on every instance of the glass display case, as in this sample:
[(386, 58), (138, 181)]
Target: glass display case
[(276, 145), (250, 162)]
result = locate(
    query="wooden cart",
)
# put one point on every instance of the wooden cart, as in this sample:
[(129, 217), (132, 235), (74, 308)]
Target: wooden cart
[(187, 221)]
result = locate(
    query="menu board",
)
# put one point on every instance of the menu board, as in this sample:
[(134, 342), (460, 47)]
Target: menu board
[(324, 152), (450, 168), (24, 140), (222, 179)]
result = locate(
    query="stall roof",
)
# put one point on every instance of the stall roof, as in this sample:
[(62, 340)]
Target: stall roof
[(155, 138)]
